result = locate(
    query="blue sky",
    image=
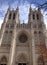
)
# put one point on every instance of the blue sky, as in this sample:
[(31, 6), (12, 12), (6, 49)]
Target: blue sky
[(23, 8)]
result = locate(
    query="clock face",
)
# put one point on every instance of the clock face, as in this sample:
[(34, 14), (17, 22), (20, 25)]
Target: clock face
[(23, 38)]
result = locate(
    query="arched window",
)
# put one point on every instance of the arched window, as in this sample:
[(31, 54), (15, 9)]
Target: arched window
[(10, 16), (40, 60), (6, 32), (13, 16), (3, 61), (40, 34), (37, 16), (35, 34), (33, 16), (10, 32)]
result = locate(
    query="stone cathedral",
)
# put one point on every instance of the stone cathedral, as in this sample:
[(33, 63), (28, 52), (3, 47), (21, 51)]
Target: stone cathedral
[(23, 43)]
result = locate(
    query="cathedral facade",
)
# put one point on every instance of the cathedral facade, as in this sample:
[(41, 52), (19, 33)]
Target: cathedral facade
[(23, 44)]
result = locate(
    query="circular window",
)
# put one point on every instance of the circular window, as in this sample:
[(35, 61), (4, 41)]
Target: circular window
[(23, 38)]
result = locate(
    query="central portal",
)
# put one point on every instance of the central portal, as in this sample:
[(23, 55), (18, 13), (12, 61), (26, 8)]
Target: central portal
[(21, 63)]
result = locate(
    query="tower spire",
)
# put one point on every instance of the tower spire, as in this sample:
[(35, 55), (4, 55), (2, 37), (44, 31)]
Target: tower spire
[(30, 9), (17, 9), (8, 8), (39, 9), (17, 14), (30, 13)]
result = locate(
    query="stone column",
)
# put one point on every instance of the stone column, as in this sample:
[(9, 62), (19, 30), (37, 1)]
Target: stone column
[(30, 50), (13, 49), (33, 48)]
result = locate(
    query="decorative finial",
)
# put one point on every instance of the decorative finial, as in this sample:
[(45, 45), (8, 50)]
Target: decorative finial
[(9, 7), (39, 9), (17, 8), (30, 8)]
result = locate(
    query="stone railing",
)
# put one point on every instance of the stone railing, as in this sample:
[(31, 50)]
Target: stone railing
[(23, 26)]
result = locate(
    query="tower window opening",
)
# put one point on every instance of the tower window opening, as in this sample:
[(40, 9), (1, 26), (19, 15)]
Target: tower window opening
[(35, 32), (10, 32), (6, 32), (39, 32), (37, 16), (13, 16), (33, 16), (10, 16)]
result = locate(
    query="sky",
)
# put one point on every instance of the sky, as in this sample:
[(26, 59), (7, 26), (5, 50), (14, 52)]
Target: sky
[(23, 8)]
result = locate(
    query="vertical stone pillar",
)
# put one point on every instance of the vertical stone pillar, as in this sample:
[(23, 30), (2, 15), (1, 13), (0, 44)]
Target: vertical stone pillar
[(30, 49), (33, 48), (2, 33), (13, 49)]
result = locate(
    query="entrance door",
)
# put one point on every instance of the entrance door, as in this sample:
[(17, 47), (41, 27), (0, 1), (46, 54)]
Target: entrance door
[(21, 63)]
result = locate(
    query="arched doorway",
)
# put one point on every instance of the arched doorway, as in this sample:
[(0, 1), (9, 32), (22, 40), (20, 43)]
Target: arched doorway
[(3, 61), (22, 59)]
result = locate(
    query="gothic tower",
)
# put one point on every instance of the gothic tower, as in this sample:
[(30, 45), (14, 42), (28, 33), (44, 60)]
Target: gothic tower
[(21, 44)]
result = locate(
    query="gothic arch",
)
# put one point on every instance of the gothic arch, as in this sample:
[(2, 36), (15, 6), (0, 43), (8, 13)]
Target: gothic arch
[(22, 58), (3, 60), (23, 31)]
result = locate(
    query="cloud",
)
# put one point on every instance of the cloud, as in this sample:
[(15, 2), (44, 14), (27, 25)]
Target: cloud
[(23, 10), (14, 5), (3, 9), (45, 20), (44, 17)]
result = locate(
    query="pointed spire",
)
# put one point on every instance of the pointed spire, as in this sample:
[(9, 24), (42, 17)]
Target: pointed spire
[(39, 9), (17, 14), (30, 13), (30, 9), (17, 9), (8, 8), (30, 6)]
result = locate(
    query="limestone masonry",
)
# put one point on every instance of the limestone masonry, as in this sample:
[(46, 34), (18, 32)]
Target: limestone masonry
[(23, 44)]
